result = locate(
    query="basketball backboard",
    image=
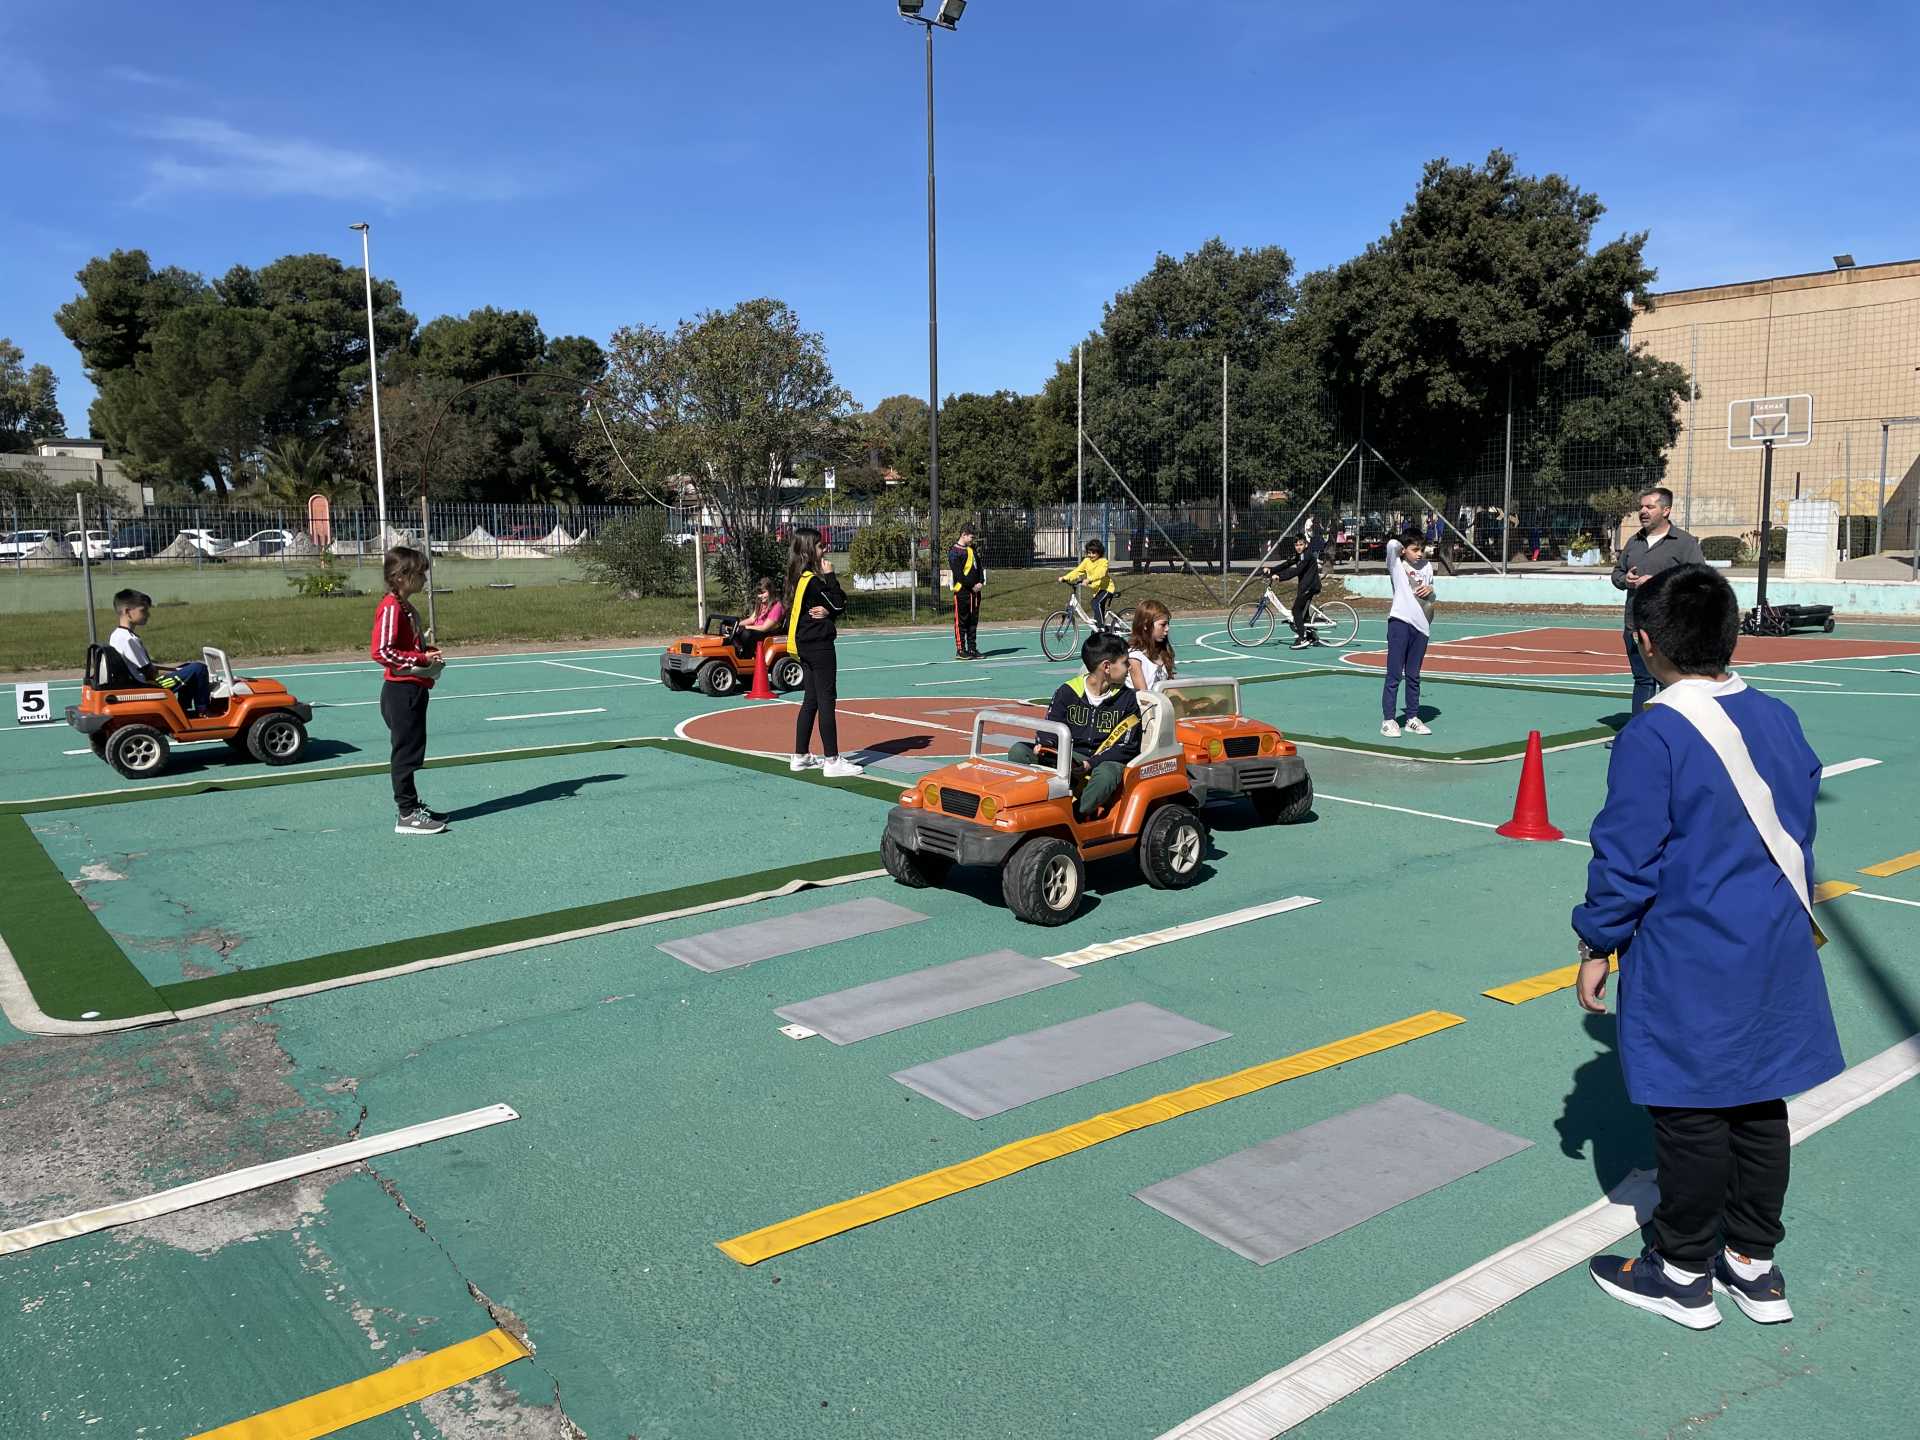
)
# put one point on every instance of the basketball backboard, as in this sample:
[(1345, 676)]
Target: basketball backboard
[(1782, 419)]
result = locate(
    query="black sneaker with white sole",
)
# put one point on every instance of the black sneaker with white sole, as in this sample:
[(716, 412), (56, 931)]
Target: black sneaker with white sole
[(420, 822), (1763, 1300), (1643, 1283)]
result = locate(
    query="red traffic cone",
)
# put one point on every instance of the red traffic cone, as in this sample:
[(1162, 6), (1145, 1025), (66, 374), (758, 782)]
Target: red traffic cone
[(761, 689), (1530, 820)]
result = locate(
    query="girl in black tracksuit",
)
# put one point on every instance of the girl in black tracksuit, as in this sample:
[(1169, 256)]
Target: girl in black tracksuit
[(814, 604)]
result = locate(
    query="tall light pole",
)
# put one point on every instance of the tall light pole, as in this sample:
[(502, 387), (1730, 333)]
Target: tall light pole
[(373, 371), (946, 17)]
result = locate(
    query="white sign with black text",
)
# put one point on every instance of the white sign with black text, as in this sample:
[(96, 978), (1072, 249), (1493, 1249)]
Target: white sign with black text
[(33, 703)]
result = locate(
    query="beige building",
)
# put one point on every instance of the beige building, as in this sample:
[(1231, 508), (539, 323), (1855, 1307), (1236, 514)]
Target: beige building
[(1850, 338), (68, 461)]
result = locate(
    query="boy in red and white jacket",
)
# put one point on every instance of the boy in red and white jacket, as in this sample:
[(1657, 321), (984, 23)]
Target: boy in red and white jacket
[(410, 664)]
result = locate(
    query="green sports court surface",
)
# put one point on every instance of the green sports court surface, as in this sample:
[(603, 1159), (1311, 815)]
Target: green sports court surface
[(231, 965)]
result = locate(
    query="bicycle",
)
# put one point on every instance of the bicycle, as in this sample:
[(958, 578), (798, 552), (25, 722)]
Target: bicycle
[(1251, 623), (1060, 631)]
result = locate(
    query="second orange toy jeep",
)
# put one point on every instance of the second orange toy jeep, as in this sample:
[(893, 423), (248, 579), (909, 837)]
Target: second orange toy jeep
[(132, 726), (710, 661)]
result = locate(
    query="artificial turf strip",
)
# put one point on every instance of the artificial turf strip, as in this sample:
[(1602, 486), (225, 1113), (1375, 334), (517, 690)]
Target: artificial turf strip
[(317, 969), (1506, 750), (68, 960), (874, 789)]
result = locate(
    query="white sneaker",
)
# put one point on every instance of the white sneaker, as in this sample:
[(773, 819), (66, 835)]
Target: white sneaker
[(797, 763), (1416, 726), (838, 769), (1389, 729)]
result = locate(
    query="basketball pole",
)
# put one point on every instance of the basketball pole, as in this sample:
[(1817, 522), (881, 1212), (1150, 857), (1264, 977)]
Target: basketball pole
[(1766, 521)]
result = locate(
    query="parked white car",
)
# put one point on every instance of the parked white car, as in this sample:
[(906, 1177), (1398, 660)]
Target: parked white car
[(205, 541), (268, 542), (21, 542), (100, 545)]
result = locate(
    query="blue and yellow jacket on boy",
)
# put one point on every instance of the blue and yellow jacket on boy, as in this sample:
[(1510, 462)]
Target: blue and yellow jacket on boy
[(1722, 1001), (1101, 730)]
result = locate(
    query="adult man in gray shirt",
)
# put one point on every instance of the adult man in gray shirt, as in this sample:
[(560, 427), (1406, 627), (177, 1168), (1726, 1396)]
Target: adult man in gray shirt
[(1659, 545)]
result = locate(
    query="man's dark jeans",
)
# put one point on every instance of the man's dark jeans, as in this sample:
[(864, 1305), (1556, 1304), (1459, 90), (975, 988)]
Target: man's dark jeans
[(1645, 687)]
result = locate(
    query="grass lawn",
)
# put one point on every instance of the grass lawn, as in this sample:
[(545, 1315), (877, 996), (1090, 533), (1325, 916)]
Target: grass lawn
[(252, 628)]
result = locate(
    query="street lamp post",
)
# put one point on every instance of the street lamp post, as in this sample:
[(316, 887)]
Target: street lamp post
[(373, 372), (946, 17)]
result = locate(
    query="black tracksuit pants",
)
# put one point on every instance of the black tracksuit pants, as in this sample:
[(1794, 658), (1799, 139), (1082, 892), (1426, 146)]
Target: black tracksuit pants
[(1723, 1178), (820, 692), (403, 705), (966, 619)]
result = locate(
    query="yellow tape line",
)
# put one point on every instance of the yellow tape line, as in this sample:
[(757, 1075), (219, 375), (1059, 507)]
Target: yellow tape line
[(359, 1400), (1832, 890), (844, 1215), (1532, 988), (1894, 866)]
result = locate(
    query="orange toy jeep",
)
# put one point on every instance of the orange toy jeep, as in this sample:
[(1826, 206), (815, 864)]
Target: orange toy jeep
[(710, 661), (988, 810), (1229, 755), (131, 725)]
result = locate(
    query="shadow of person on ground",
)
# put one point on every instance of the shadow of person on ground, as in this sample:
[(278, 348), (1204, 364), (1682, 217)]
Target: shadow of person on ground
[(1598, 1120), (213, 759), (888, 749), (1615, 723), (539, 795), (1896, 1001)]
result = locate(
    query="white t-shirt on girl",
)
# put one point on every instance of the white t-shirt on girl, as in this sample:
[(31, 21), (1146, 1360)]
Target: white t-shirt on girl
[(1151, 673), (1406, 605)]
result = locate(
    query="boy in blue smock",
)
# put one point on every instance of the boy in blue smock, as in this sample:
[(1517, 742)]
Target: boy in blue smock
[(1723, 1006)]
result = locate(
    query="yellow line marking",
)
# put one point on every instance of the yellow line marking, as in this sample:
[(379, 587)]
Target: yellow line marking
[(1894, 866), (359, 1400), (1832, 890), (1534, 986), (903, 1195)]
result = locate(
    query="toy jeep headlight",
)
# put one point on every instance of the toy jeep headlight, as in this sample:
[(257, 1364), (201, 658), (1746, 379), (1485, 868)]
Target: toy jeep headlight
[(1269, 743), (930, 795), (1216, 749), (989, 807)]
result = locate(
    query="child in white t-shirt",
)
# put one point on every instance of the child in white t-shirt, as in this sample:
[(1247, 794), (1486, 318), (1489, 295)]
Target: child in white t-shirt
[(1150, 660), (1408, 623)]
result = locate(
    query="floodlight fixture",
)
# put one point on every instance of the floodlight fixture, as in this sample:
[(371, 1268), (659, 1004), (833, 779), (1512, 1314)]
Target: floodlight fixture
[(1843, 262), (910, 9), (949, 15), (359, 225)]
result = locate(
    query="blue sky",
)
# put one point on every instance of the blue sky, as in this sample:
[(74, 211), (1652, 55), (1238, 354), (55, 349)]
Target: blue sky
[(604, 164)]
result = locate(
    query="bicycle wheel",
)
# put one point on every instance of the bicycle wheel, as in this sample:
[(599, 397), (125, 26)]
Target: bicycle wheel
[(1335, 622), (1251, 623), (1060, 636)]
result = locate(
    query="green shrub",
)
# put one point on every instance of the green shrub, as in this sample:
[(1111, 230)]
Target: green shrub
[(1776, 546), (633, 556), (326, 580), (883, 546), (730, 575), (1721, 547)]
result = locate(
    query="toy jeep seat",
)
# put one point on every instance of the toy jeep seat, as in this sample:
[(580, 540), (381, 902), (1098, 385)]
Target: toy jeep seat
[(106, 669)]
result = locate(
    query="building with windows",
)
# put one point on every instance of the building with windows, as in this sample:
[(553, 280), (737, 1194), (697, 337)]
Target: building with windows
[(72, 460)]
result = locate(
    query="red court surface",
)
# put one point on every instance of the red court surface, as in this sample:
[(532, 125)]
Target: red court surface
[(907, 727), (1555, 651)]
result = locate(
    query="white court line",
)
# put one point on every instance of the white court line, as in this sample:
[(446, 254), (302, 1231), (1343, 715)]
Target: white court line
[(237, 1182), (549, 714), (489, 694), (1846, 767), (1107, 949), (590, 670), (1291, 1396), (1431, 815), (1888, 899)]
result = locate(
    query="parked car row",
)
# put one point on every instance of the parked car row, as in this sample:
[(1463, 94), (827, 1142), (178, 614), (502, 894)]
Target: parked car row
[(99, 545)]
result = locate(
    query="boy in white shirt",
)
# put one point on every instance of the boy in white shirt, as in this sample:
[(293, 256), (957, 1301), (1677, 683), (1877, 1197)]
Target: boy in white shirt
[(189, 681), (1411, 575)]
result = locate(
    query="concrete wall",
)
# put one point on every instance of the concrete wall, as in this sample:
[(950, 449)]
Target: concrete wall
[(1849, 338), (68, 469)]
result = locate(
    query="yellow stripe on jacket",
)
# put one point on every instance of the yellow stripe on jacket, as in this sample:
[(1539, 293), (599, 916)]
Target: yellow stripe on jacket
[(793, 619)]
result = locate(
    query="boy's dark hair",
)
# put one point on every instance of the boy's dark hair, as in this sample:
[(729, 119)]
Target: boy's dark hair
[(1299, 539), (1094, 547), (404, 563), (128, 599), (965, 531), (1691, 616), (1099, 648), (1410, 537)]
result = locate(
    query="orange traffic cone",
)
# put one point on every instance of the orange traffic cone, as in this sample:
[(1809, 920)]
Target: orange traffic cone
[(1530, 820), (761, 690)]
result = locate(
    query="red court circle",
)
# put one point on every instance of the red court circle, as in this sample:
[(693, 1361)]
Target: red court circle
[(908, 726)]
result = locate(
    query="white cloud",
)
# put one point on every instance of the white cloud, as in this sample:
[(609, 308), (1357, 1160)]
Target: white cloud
[(211, 155), (133, 75)]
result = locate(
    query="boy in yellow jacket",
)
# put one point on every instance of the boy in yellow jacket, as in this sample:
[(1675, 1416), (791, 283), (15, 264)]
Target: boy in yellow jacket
[(1093, 570)]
